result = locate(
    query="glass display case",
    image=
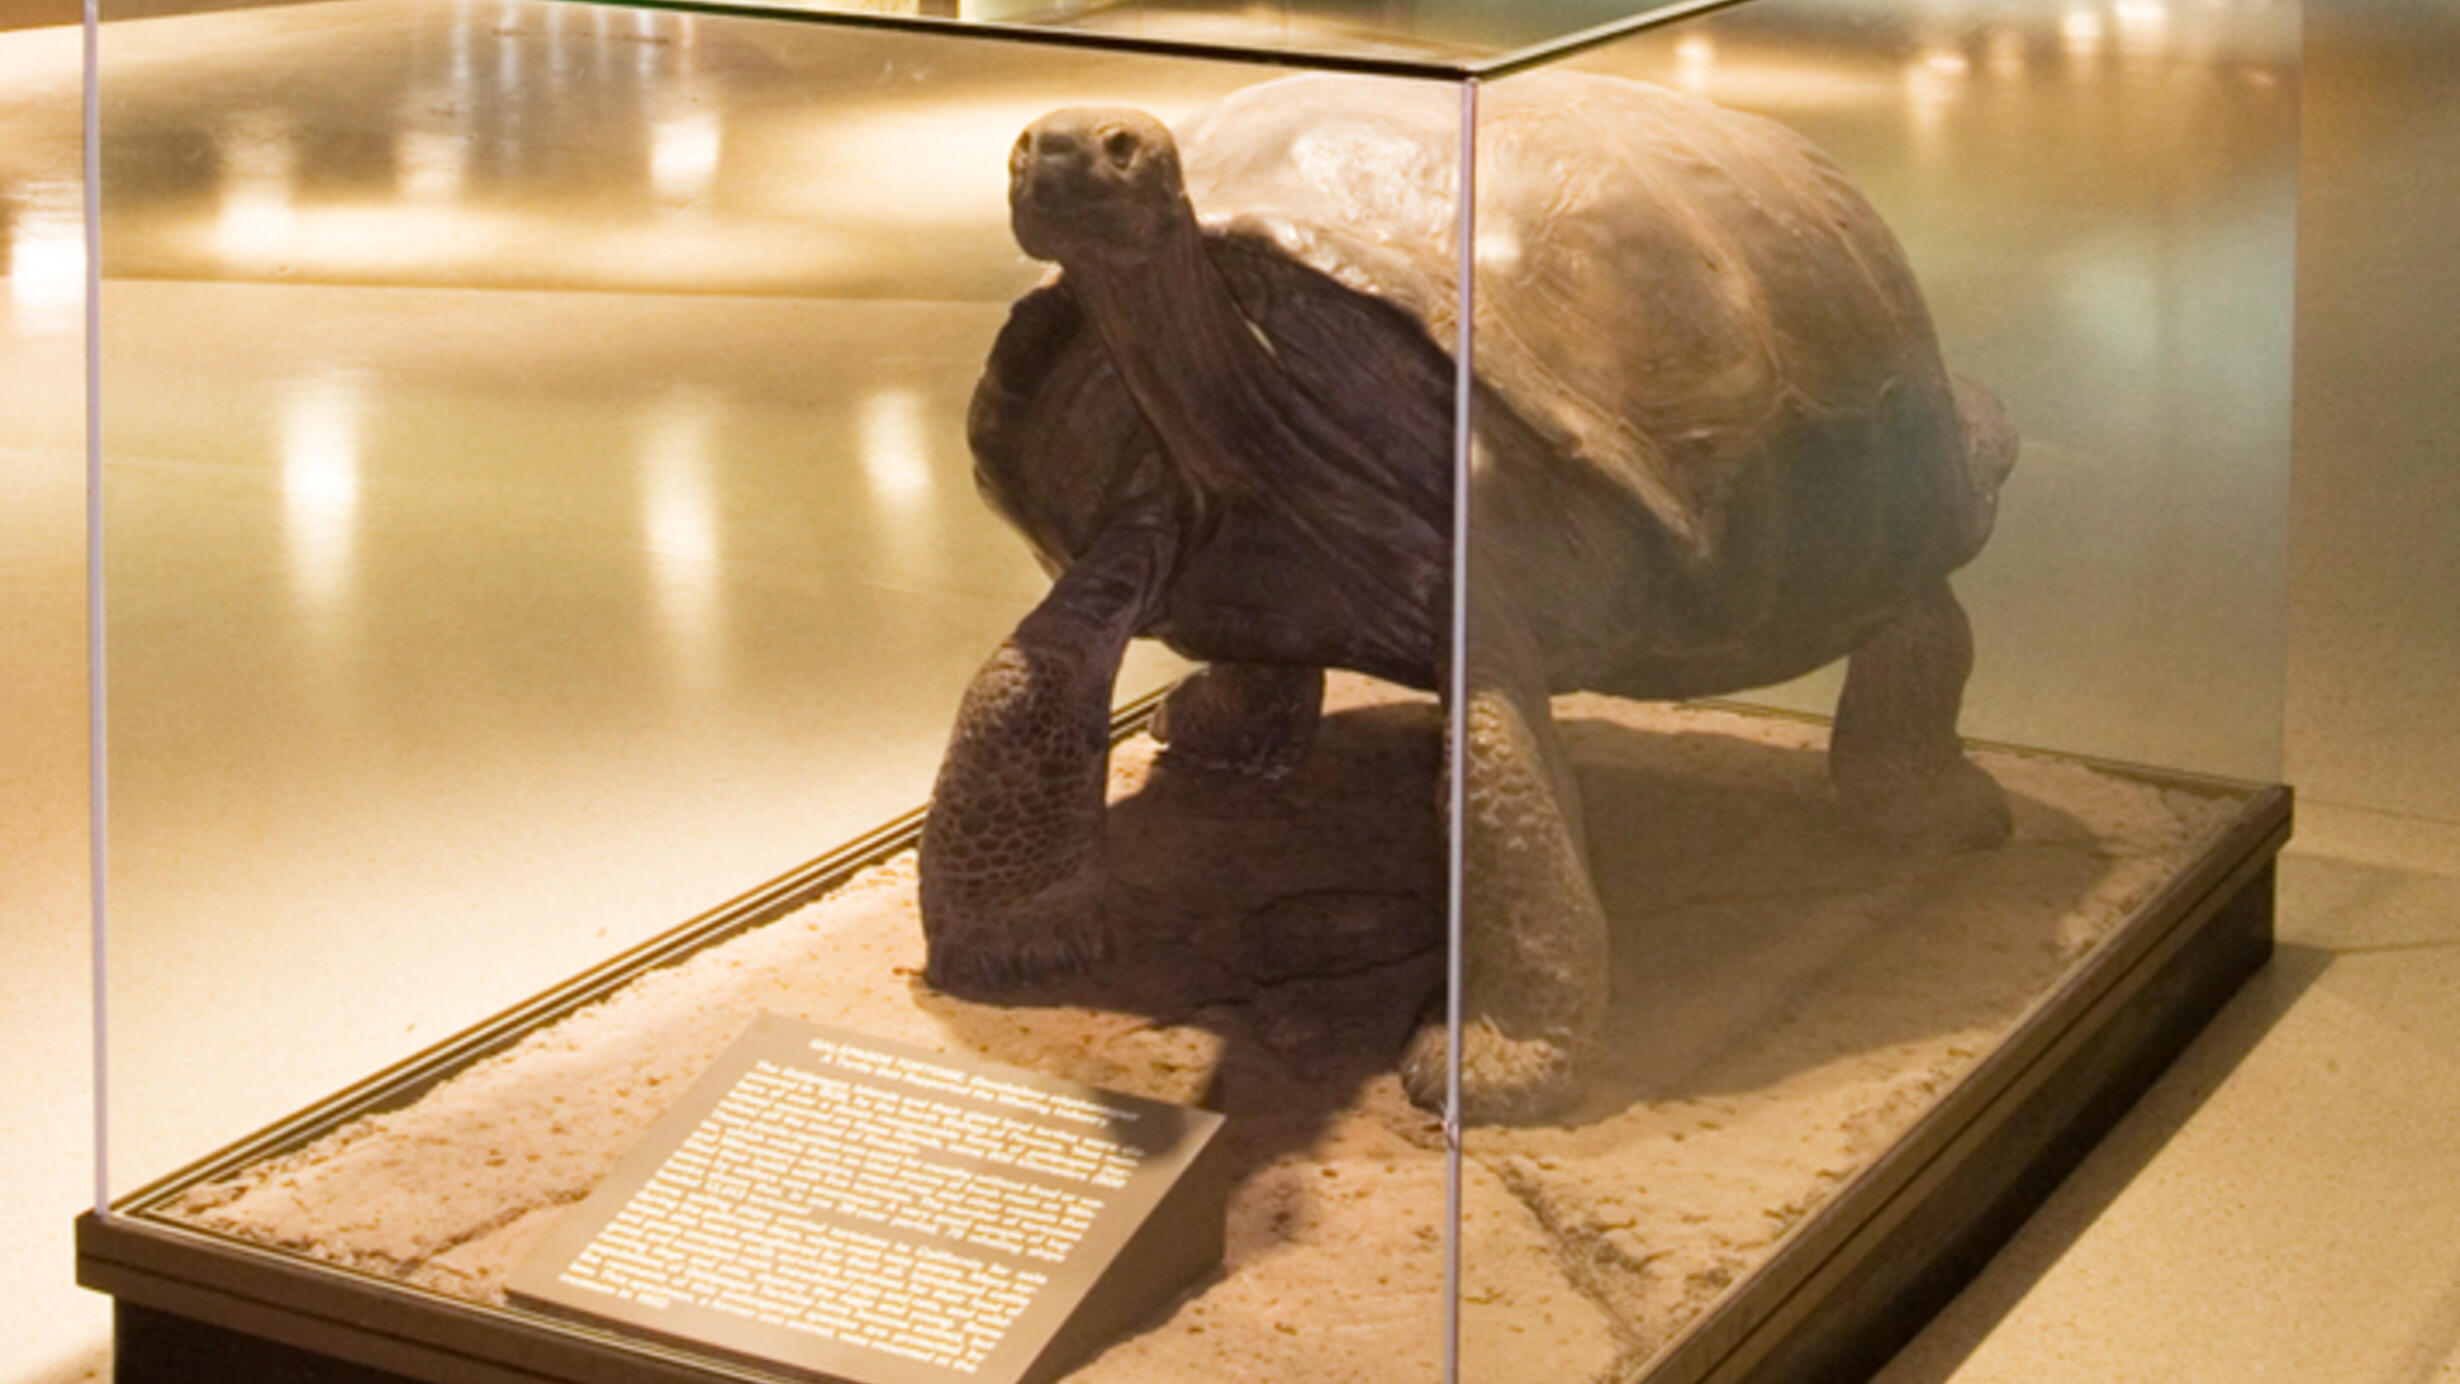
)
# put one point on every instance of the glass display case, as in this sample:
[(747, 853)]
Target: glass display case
[(1284, 573)]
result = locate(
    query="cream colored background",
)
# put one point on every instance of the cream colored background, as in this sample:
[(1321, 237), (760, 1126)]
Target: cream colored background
[(2280, 1207)]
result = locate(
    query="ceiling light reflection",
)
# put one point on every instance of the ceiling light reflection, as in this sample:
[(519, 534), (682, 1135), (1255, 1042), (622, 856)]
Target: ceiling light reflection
[(462, 76), (1933, 82), (896, 449), (683, 155), (1934, 79), (2080, 32), (1695, 62), (46, 259), (2006, 53), (680, 527), (433, 167), (259, 162), (1499, 251), (321, 424), (647, 40), (508, 51), (2143, 25)]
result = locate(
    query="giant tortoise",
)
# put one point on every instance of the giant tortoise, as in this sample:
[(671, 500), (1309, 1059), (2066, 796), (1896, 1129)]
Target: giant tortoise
[(1714, 447)]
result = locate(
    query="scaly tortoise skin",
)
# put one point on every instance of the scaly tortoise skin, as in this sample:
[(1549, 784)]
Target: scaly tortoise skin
[(1714, 448)]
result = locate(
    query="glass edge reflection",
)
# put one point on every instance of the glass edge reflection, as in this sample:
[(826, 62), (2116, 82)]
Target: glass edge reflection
[(97, 731), (1502, 64), (1422, 69), (1456, 711), (1555, 49)]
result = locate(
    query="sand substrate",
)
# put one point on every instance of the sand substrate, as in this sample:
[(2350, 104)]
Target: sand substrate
[(1788, 999)]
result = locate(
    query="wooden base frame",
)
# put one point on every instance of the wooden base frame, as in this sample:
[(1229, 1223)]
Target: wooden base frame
[(1837, 1300)]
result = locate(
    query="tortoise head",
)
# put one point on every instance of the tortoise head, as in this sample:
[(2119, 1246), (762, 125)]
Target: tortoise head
[(1091, 183)]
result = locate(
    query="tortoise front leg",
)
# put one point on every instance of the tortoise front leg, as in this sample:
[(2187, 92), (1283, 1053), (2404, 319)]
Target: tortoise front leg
[(1243, 718), (1011, 857), (1534, 964)]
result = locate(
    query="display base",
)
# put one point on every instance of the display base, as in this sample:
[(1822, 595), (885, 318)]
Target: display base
[(1893, 1238), (151, 1345)]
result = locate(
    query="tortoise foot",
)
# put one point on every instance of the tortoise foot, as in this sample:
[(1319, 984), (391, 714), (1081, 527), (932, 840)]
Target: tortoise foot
[(1504, 1080), (1063, 931), (1254, 720), (1957, 809)]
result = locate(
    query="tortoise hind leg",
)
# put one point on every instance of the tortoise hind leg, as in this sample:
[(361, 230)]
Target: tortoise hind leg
[(1244, 718), (1897, 764)]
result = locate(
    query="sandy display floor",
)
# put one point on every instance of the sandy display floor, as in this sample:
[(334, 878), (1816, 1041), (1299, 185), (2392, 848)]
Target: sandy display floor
[(1789, 998)]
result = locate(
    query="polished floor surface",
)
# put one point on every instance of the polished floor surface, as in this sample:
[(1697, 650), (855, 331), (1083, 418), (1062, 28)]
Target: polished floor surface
[(602, 544)]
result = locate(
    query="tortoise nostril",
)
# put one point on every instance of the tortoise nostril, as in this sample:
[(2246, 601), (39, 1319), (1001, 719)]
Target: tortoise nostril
[(1120, 146)]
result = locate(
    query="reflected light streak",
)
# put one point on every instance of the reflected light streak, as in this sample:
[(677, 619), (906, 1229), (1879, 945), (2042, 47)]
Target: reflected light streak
[(508, 51), (2006, 53), (2080, 32), (321, 424), (258, 162), (1933, 83), (602, 48), (464, 76), (896, 450), (1695, 63), (680, 525), (433, 167), (646, 27), (2143, 25), (683, 155), (677, 504), (1498, 249), (47, 267)]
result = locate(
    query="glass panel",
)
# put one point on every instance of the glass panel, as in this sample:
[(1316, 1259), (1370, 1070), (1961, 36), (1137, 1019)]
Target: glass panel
[(2098, 201), (542, 504), (539, 497), (1722, 451)]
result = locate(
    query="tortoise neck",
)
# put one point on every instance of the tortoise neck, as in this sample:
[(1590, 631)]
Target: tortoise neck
[(1199, 371), (1359, 501)]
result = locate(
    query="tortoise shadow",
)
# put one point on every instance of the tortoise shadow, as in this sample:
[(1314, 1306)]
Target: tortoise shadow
[(1297, 921), (1755, 935)]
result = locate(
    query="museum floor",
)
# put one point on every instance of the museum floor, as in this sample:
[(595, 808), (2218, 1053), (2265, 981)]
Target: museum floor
[(2282, 1206)]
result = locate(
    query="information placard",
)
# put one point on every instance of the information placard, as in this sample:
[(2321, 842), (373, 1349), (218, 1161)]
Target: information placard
[(865, 1212)]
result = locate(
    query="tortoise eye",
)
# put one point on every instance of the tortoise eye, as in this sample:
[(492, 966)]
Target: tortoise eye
[(1120, 145)]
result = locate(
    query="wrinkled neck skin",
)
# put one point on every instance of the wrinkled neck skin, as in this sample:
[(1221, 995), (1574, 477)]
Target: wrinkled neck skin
[(1202, 377), (1262, 452)]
